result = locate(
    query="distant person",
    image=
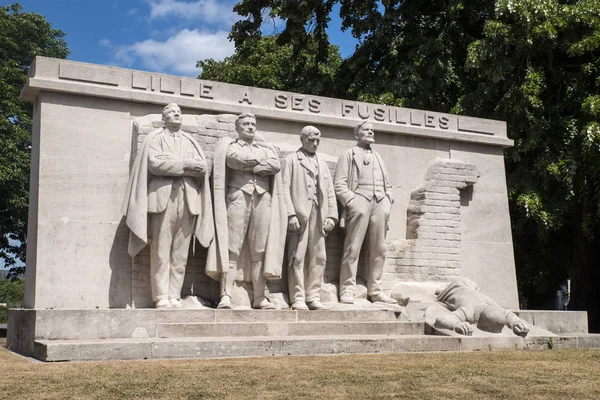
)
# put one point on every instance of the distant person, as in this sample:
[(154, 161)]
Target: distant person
[(363, 188), (312, 214), (168, 195)]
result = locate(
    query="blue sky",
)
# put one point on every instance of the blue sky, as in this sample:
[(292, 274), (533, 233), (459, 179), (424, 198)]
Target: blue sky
[(166, 36)]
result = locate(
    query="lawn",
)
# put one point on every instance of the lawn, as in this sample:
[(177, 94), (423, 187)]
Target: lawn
[(523, 375)]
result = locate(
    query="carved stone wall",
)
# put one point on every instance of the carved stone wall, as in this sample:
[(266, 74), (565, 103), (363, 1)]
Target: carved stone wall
[(432, 249), (207, 129)]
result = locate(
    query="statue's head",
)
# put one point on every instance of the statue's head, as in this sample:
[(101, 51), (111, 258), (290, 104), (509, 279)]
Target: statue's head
[(491, 319), (310, 137), (245, 126), (364, 133), (172, 116)]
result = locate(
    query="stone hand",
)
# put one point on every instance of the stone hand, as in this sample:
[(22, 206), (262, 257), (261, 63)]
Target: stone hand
[(464, 328), (520, 329), (293, 224), (262, 170), (195, 165), (328, 225)]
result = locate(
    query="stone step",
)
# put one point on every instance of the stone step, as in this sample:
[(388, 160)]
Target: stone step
[(210, 347), (313, 328)]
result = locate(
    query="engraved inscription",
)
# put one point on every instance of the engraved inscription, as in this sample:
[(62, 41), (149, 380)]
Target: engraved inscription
[(167, 85), (189, 87), (297, 103), (246, 98)]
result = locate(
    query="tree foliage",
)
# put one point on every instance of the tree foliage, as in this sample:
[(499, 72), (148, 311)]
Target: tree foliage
[(273, 66), (532, 63), (22, 37), (537, 67), (12, 293)]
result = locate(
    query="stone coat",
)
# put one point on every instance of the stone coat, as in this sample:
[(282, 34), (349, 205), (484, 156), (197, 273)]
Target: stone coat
[(218, 253), (297, 193), (137, 204), (347, 172), (165, 171)]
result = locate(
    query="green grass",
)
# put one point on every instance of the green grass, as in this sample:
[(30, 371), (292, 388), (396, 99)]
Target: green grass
[(523, 375)]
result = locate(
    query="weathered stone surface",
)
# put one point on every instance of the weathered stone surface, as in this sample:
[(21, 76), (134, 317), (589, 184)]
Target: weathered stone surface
[(324, 328), (560, 322)]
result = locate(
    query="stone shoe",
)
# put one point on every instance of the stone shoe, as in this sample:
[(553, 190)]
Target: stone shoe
[(175, 303), (163, 303), (382, 298), (316, 305), (299, 305), (347, 298), (264, 304), (225, 303)]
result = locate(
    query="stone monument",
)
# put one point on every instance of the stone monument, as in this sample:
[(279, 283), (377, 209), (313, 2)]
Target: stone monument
[(207, 212)]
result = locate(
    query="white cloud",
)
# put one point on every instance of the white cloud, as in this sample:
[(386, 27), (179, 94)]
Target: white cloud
[(179, 53), (211, 11)]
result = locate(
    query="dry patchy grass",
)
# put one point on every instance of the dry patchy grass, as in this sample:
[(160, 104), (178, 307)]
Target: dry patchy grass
[(553, 374)]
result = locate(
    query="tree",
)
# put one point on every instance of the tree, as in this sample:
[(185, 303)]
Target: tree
[(537, 68), (11, 293), (22, 37), (272, 66), (533, 63)]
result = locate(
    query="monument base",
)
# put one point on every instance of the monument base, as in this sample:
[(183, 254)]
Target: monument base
[(119, 334)]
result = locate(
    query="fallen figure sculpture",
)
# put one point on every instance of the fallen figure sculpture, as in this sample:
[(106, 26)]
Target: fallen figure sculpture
[(468, 306)]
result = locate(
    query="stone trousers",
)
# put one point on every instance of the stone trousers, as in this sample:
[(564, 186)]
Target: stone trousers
[(306, 263), (171, 232), (248, 215), (365, 218)]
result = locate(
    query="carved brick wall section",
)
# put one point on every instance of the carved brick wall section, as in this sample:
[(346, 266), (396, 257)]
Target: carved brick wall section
[(432, 249)]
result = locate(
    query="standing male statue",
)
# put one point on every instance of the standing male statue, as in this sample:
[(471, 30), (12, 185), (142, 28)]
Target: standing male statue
[(312, 214), (168, 195), (363, 188), (248, 208)]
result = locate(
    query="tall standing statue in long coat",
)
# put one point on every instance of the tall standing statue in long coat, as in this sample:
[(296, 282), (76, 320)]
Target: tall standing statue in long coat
[(248, 208), (168, 195)]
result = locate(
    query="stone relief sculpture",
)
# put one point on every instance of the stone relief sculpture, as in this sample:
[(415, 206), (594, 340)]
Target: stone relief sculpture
[(363, 188), (168, 196), (249, 207), (468, 306), (312, 214)]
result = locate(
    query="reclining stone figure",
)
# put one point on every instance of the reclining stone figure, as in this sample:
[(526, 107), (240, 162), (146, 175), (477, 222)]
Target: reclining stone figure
[(468, 307)]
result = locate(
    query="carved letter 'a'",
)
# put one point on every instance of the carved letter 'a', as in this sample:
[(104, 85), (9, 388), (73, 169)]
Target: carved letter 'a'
[(246, 98)]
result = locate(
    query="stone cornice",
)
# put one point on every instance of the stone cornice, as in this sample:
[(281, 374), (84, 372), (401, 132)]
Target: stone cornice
[(54, 75)]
